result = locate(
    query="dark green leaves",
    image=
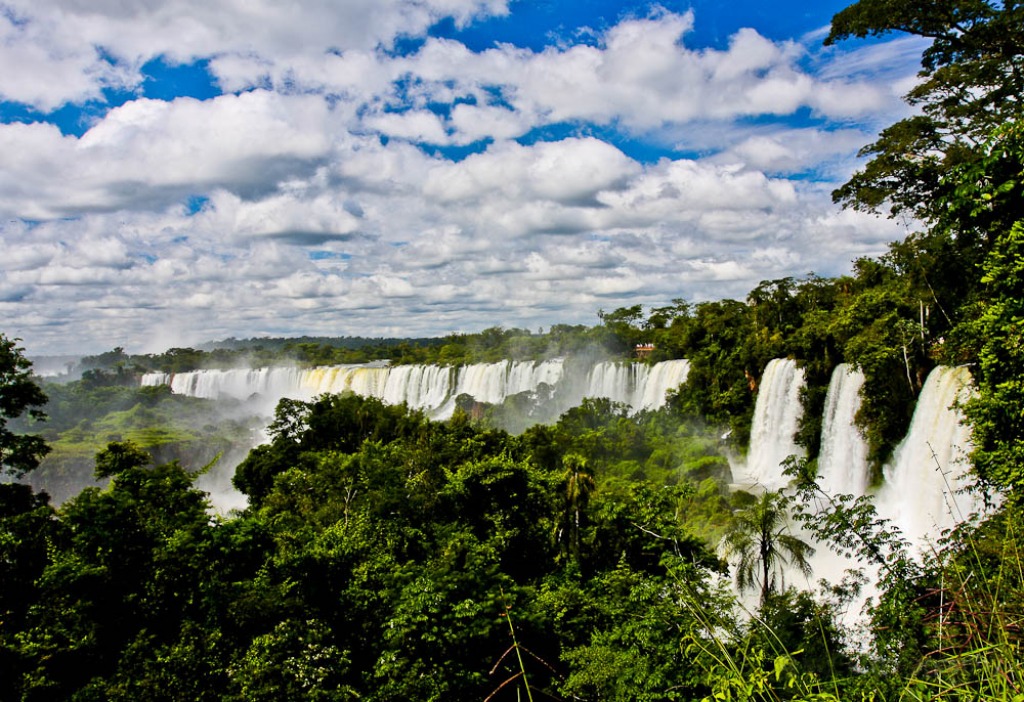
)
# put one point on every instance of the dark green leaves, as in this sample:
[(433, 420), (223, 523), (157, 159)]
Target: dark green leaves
[(19, 394)]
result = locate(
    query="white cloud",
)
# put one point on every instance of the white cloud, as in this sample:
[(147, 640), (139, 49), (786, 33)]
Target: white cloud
[(70, 40), (149, 153), (783, 150), (417, 125), (313, 222), (53, 65), (568, 171), (642, 76)]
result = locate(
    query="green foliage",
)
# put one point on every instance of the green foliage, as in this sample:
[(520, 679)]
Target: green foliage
[(719, 387), (970, 83), (121, 567), (118, 457), (370, 566), (637, 648), (294, 661), (760, 542), (997, 412), (19, 394), (880, 338), (83, 418)]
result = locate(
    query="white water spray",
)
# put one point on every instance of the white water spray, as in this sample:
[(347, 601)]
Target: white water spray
[(922, 492), (777, 413), (843, 459), (430, 388)]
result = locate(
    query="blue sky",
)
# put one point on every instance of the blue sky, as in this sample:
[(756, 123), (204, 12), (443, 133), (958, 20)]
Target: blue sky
[(177, 172)]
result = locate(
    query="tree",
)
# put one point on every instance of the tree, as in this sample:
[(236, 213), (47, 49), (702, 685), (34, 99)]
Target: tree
[(997, 412), (118, 457), (717, 388), (579, 485), (971, 81), (760, 543), (18, 394), (623, 327)]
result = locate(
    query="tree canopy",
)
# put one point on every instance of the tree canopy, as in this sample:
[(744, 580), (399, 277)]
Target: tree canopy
[(971, 82), (19, 394)]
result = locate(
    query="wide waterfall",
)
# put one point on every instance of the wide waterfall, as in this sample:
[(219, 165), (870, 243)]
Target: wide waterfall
[(432, 388), (922, 493), (843, 459), (777, 413)]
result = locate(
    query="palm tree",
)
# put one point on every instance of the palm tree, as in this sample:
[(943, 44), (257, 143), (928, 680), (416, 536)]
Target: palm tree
[(578, 487), (759, 543)]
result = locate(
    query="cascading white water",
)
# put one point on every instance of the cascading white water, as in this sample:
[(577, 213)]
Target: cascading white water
[(638, 385), (420, 387), (662, 378), (430, 388), (921, 491), (920, 494), (427, 387), (365, 380), (777, 413), (843, 459), (493, 382), (842, 462), (614, 381), (237, 383)]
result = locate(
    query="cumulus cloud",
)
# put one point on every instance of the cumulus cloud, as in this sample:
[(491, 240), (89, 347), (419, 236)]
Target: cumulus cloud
[(149, 153), (567, 171), (641, 76), (84, 46), (788, 151), (338, 186)]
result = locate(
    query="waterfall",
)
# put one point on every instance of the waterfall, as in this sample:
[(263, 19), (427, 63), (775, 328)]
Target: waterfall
[(433, 388), (420, 387), (662, 378), (493, 382), (366, 380), (614, 381), (430, 388), (636, 384), (261, 388), (777, 413), (843, 459), (920, 494)]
